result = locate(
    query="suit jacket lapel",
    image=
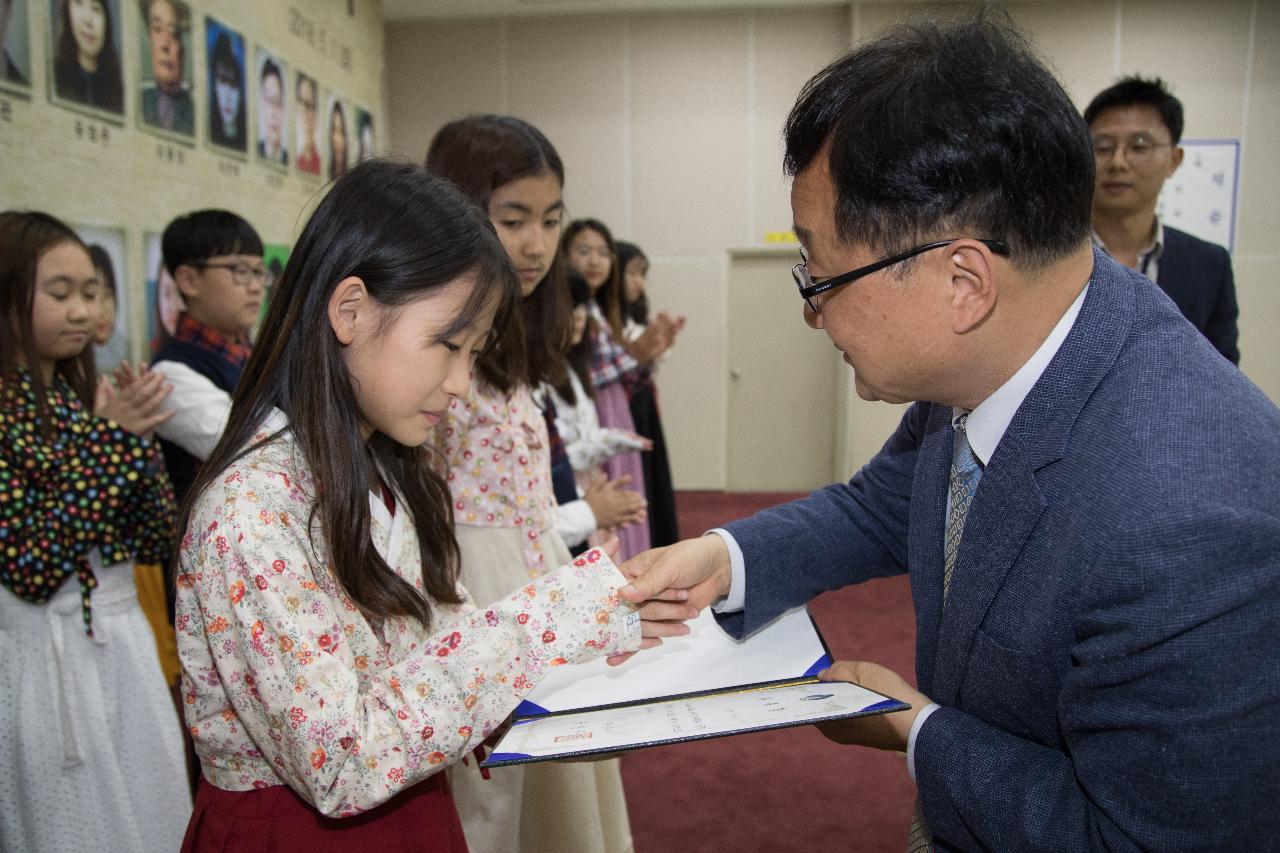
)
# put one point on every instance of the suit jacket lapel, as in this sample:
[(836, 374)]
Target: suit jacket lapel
[(1009, 501), (1001, 517), (928, 506)]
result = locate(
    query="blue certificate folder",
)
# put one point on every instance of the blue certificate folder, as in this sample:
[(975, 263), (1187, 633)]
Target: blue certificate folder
[(703, 685)]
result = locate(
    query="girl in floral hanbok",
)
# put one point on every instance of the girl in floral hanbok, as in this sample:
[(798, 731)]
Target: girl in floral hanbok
[(332, 663)]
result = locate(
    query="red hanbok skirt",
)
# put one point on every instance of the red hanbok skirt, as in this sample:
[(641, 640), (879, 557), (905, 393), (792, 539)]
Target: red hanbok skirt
[(276, 820)]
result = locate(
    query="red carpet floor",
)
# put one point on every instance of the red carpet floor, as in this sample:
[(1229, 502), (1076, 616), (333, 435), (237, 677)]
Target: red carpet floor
[(788, 790)]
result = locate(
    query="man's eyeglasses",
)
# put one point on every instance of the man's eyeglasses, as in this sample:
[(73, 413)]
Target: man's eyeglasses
[(1140, 148), (810, 288), (243, 274)]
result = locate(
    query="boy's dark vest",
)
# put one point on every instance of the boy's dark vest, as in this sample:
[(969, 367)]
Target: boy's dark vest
[(182, 466)]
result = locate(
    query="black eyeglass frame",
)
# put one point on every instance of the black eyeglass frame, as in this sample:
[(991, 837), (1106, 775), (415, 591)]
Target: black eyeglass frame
[(809, 288), (254, 274)]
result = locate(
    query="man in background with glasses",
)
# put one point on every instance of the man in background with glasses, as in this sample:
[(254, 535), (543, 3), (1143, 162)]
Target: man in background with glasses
[(1136, 126), (1084, 494)]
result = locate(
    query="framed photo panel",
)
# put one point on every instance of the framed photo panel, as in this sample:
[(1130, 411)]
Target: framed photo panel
[(166, 104), (15, 48), (228, 115), (338, 142), (365, 146), (164, 302), (110, 337), (272, 108), (84, 57), (274, 258), (306, 100)]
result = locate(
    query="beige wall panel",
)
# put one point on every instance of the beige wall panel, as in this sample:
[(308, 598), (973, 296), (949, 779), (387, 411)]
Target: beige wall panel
[(1200, 49), (692, 381), (1259, 318), (869, 425), (139, 182), (440, 71), (875, 16), (790, 47), (689, 131), (1077, 39), (567, 77), (1259, 208)]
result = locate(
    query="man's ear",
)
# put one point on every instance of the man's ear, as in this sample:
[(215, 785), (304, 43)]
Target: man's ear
[(1175, 160), (973, 282), (186, 278), (348, 303)]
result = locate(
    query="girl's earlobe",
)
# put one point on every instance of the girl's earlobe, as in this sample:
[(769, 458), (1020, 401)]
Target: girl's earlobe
[(347, 303)]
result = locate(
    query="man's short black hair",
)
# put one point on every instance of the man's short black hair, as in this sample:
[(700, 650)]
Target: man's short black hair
[(205, 234), (1133, 91), (935, 131)]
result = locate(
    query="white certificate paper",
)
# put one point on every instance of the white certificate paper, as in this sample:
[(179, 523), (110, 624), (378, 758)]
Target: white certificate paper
[(706, 659), (703, 685), (676, 720)]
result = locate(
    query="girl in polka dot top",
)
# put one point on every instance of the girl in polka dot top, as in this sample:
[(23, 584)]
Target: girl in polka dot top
[(92, 757)]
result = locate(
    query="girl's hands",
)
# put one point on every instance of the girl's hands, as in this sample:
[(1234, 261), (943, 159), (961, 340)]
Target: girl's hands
[(613, 505), (136, 404)]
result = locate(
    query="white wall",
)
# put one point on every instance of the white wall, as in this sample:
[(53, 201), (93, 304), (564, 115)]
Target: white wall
[(669, 127)]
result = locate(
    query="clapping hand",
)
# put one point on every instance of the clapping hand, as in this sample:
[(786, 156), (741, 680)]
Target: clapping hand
[(136, 403)]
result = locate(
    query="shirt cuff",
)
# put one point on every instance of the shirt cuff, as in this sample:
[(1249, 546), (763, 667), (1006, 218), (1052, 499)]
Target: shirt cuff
[(915, 730), (736, 599)]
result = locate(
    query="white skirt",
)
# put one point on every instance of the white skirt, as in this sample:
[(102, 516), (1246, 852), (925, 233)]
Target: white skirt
[(91, 758), (551, 807)]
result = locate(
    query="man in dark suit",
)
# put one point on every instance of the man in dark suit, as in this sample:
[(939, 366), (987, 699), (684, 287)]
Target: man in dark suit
[(1136, 126), (1085, 495)]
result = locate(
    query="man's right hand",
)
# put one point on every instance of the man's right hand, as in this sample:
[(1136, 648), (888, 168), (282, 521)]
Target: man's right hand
[(672, 585)]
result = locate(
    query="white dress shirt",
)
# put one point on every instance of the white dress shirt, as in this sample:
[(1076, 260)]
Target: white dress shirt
[(986, 426)]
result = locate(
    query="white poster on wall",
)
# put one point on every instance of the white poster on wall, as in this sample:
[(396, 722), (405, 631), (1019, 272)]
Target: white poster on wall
[(1200, 198)]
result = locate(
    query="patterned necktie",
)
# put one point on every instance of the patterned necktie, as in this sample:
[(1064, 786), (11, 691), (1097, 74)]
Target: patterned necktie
[(966, 470)]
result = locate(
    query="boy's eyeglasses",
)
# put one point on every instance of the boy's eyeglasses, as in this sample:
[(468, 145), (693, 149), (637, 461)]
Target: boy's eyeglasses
[(243, 274)]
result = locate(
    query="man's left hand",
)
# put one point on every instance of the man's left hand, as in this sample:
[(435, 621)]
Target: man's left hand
[(880, 731)]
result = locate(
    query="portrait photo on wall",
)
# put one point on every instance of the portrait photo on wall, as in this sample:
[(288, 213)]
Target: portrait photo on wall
[(110, 335), (338, 135), (274, 258), (164, 69), (84, 57), (306, 97), (364, 135), (228, 128), (15, 48), (164, 302), (272, 103)]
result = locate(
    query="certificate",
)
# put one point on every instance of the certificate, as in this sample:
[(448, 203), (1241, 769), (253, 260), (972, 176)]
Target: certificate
[(703, 685), (675, 720)]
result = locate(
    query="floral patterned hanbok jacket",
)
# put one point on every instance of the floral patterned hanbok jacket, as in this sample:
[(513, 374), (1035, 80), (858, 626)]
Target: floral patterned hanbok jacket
[(286, 682)]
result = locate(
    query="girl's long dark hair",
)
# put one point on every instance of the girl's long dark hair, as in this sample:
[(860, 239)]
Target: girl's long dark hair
[(404, 233), (24, 237), (609, 296), (635, 310), (578, 357), (66, 61), (480, 154)]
